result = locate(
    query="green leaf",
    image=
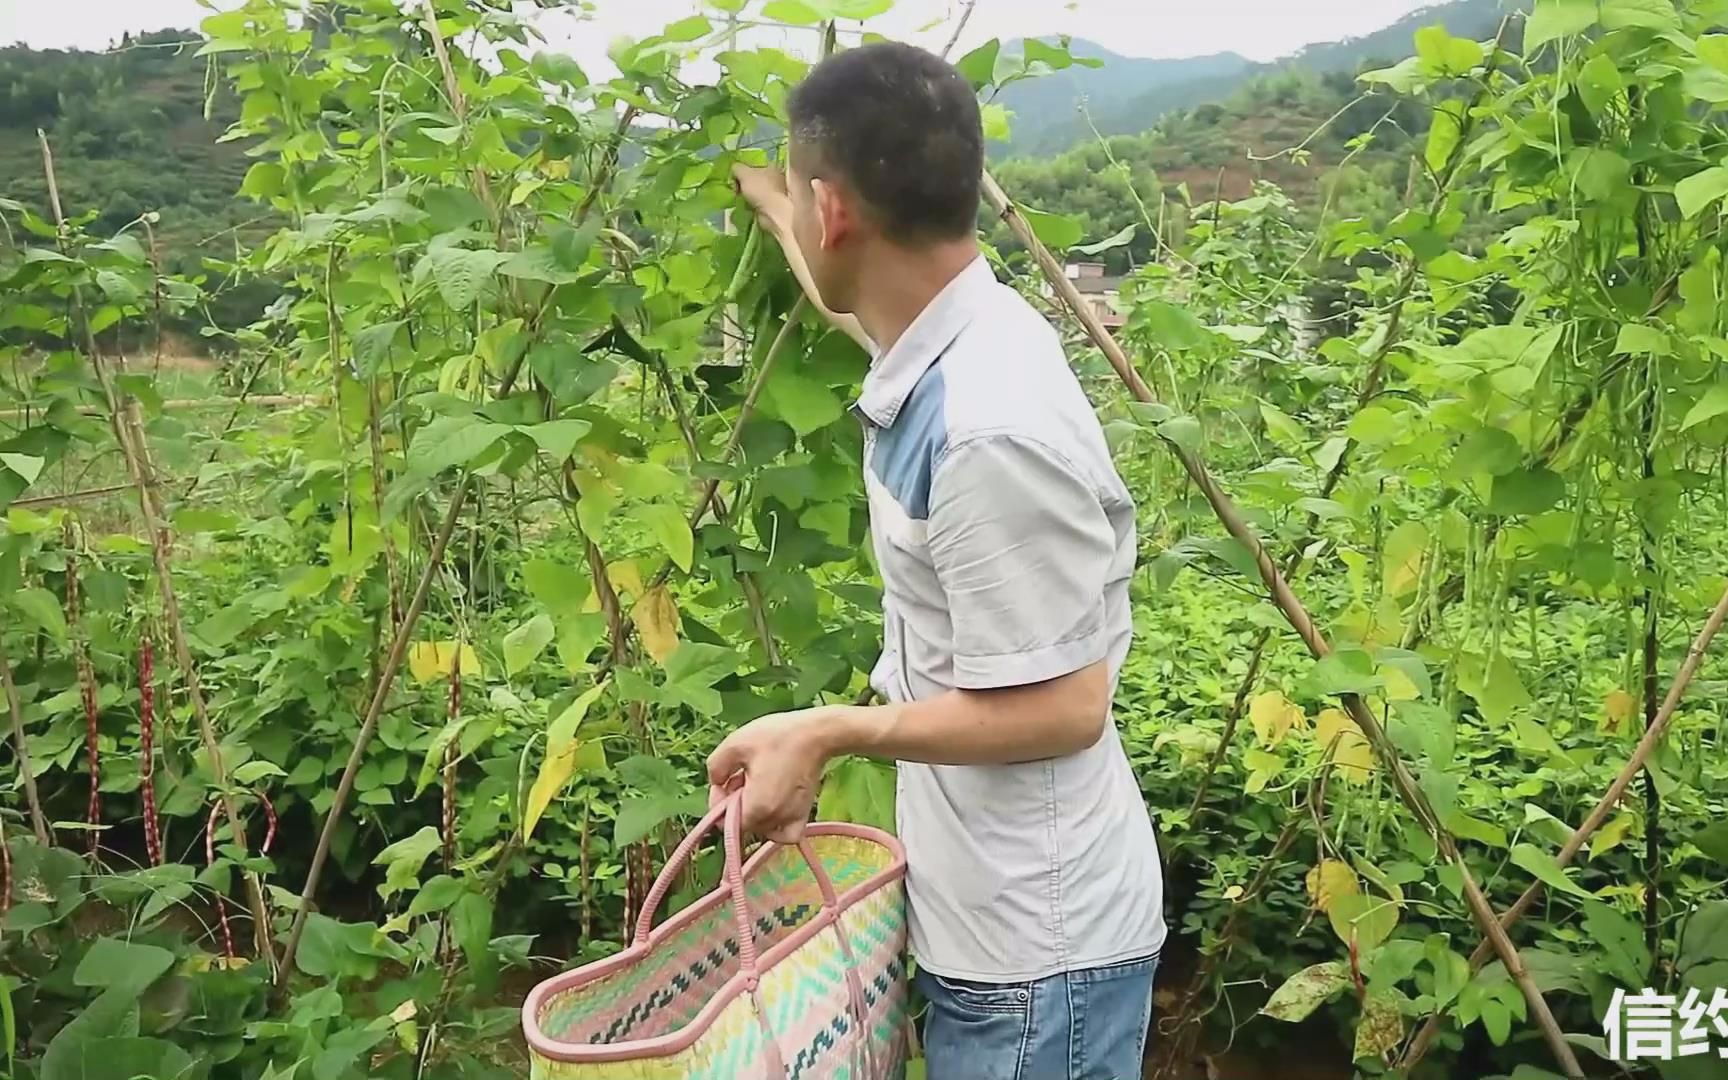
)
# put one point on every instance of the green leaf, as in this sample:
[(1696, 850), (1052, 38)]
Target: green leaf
[(1285, 431), (1712, 840), (1496, 687), (1173, 327), (1542, 866), (1366, 918), (42, 609), (1306, 991), (1636, 339), (1441, 54), (1184, 431), (558, 438), (436, 895), (697, 664), (1121, 238), (26, 465), (1705, 938), (372, 345), (337, 950), (117, 287), (450, 441), (1487, 450), (402, 861), (1058, 232), (640, 815), (1648, 14), (1553, 19), (997, 123), (254, 771), (979, 65), (525, 643), (670, 530), (124, 965), (1698, 192), (120, 1057), (804, 403), (538, 263), (858, 790), (1713, 404), (460, 274), (1526, 491), (796, 12), (1443, 135)]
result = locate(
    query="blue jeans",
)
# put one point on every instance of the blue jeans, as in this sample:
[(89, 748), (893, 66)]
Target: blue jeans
[(1084, 1025)]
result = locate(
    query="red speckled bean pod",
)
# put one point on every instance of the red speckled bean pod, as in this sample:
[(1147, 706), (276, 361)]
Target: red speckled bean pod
[(87, 690), (147, 747)]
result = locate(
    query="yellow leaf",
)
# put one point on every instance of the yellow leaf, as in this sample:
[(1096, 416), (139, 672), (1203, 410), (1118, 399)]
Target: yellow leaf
[(1273, 716), (656, 619), (1329, 723), (1233, 892), (432, 660), (625, 577), (1330, 881), (562, 747), (1617, 708), (1354, 759), (1611, 835), (1402, 561)]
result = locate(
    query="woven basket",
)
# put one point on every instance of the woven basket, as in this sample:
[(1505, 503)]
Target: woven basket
[(794, 968)]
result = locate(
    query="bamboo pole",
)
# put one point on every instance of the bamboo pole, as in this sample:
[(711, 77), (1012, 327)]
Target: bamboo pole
[(134, 446), (1297, 615), (193, 404)]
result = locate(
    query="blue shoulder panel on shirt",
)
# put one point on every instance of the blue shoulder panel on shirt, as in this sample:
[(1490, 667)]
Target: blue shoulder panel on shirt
[(906, 453)]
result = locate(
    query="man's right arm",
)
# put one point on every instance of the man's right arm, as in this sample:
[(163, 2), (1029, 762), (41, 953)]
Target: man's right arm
[(765, 191)]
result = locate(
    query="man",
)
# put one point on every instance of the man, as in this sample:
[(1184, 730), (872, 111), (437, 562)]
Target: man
[(1005, 542)]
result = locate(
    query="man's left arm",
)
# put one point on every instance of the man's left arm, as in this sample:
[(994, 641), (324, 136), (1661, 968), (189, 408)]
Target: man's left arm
[(1022, 549)]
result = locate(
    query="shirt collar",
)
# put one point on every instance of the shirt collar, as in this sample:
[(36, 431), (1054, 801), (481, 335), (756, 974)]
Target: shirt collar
[(894, 373)]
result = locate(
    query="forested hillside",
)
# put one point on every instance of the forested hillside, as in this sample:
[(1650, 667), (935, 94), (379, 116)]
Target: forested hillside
[(134, 130)]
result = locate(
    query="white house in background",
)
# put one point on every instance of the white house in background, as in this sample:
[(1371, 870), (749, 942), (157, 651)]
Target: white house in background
[(1098, 290)]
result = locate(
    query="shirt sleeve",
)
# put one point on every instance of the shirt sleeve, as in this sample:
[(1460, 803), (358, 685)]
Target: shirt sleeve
[(1022, 547)]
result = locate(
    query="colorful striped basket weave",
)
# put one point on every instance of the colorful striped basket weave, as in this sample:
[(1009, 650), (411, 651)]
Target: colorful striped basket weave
[(793, 969)]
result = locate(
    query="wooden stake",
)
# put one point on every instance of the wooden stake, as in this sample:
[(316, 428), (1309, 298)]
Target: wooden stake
[(38, 821), (129, 433), (1299, 619)]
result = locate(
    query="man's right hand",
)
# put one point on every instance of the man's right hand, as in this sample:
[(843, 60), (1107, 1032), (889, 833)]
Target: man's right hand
[(764, 188)]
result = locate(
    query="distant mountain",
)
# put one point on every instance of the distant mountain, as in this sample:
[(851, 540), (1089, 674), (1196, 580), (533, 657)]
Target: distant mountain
[(1129, 95), (1046, 117)]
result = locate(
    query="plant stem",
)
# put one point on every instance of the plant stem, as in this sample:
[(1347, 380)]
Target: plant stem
[(38, 821)]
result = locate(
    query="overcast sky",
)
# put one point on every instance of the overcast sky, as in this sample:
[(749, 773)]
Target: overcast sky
[(1258, 29)]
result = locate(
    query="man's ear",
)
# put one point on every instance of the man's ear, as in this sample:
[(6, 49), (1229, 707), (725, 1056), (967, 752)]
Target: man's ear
[(832, 213)]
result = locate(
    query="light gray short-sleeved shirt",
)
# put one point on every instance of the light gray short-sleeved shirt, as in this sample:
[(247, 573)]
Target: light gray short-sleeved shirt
[(1005, 541)]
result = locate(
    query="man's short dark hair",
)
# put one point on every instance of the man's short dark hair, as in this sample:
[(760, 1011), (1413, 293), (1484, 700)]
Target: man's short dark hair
[(901, 126)]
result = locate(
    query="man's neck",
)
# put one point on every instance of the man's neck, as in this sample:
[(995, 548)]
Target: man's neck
[(901, 283)]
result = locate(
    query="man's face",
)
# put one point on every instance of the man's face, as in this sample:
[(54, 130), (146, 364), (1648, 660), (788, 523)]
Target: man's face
[(825, 226)]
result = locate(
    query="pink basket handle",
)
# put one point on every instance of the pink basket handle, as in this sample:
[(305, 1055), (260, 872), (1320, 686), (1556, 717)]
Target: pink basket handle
[(730, 812)]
